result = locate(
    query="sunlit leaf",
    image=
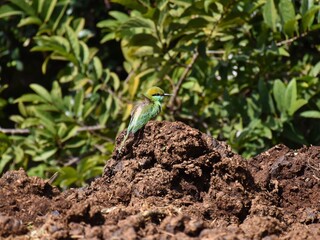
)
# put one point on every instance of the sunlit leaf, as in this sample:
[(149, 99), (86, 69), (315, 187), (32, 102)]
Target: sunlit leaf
[(41, 91), (290, 95), (29, 21), (296, 105), (78, 104), (73, 41), (270, 14), (23, 5), (308, 17), (120, 16), (47, 9), (279, 90), (97, 66), (7, 11), (71, 133), (310, 114)]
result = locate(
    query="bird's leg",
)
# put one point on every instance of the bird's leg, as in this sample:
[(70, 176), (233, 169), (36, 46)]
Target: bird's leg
[(123, 141), (140, 133)]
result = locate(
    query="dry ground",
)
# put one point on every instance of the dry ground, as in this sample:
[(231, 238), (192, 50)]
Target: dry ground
[(173, 182)]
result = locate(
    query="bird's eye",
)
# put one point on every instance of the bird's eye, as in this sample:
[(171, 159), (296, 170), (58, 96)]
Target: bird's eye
[(156, 94)]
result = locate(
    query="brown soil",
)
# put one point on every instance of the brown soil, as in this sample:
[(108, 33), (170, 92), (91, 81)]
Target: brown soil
[(173, 182)]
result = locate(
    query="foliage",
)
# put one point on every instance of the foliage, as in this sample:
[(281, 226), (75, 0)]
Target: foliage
[(82, 95), (244, 71), (233, 63)]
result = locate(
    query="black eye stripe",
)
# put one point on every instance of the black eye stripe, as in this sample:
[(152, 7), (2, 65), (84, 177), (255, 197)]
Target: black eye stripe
[(157, 94)]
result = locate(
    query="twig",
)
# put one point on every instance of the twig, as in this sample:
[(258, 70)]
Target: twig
[(91, 128), (182, 78), (14, 131), (53, 178), (23, 131), (288, 41), (215, 52)]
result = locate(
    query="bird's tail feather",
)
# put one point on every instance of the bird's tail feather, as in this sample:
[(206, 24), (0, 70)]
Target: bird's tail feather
[(123, 141)]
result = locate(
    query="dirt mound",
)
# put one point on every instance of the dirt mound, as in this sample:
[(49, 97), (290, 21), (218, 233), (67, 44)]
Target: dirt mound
[(173, 182)]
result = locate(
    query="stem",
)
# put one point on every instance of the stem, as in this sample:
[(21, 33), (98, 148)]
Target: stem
[(288, 41), (182, 78), (18, 131)]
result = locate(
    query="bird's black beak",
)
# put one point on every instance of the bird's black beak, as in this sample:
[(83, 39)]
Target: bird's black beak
[(167, 94)]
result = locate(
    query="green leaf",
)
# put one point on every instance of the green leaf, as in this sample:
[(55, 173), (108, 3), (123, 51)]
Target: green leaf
[(88, 110), (308, 17), (109, 24), (116, 80), (196, 24), (270, 14), (29, 21), (78, 25), (297, 105), (41, 91), (75, 143), (290, 94), (18, 154), (73, 41), (290, 27), (108, 37), (287, 13), (137, 5), (24, 6), (30, 97), (5, 159), (62, 129), (286, 10), (120, 16), (55, 43), (56, 90), (61, 14), (85, 54), (46, 120), (47, 9), (144, 39), (265, 99), (283, 52), (136, 22), (279, 90), (37, 4), (305, 6), (7, 11), (38, 170), (78, 105), (310, 114), (71, 133), (97, 66), (315, 70)]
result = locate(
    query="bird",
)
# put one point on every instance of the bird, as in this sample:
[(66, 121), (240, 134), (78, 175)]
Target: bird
[(142, 112)]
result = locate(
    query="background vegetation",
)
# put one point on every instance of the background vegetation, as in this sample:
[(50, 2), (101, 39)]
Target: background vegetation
[(243, 71)]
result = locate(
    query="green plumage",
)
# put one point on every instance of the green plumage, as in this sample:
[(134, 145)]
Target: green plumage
[(144, 111)]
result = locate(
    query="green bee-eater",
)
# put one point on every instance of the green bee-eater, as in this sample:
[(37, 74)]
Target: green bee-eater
[(145, 110)]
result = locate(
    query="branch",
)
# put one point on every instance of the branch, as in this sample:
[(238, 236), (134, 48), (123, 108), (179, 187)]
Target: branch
[(91, 128), (182, 78), (288, 41), (215, 52), (27, 131), (14, 131)]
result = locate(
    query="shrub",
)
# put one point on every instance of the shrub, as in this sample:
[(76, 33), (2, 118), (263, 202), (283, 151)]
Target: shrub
[(243, 71)]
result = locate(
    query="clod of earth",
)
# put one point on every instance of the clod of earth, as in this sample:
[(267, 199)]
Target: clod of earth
[(173, 182)]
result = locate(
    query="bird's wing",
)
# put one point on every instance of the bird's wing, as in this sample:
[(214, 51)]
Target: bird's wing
[(142, 114), (135, 114)]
